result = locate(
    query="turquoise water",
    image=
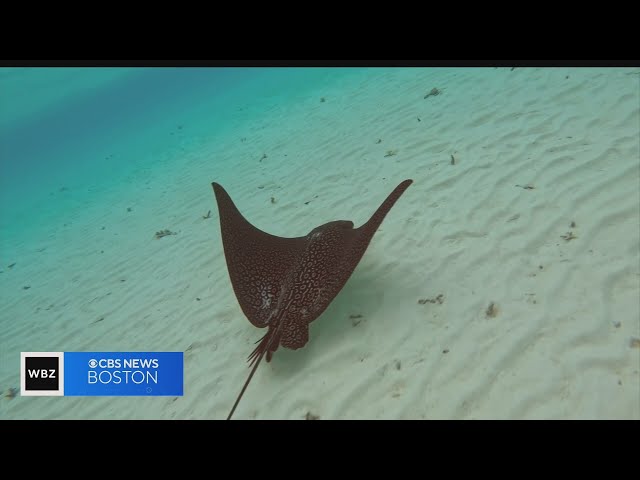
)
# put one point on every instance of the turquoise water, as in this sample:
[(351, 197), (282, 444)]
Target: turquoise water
[(505, 285), (67, 134)]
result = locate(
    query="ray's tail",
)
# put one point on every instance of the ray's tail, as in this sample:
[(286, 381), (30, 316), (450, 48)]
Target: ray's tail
[(254, 359), (246, 384)]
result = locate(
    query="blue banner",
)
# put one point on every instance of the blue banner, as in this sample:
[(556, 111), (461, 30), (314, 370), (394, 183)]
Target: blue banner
[(90, 374)]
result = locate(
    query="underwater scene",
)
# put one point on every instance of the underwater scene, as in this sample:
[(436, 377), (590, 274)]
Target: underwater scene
[(305, 243)]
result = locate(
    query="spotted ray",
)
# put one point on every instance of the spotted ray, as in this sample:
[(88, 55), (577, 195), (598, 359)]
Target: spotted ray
[(286, 283)]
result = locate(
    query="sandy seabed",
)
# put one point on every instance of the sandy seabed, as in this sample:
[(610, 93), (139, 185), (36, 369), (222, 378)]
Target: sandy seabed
[(503, 284)]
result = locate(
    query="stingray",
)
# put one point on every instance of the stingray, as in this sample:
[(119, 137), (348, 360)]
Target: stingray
[(286, 283)]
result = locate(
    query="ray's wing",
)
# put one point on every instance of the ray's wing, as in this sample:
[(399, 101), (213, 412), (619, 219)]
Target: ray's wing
[(330, 255), (257, 261), (364, 233), (343, 250)]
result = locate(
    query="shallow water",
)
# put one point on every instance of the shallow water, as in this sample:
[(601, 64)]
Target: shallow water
[(93, 161)]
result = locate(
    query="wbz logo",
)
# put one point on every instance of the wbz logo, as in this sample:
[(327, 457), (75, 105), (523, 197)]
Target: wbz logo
[(41, 373)]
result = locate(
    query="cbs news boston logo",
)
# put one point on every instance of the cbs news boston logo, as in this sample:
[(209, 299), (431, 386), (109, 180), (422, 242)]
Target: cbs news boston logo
[(102, 373)]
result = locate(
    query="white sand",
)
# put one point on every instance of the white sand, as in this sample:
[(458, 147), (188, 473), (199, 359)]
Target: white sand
[(558, 347)]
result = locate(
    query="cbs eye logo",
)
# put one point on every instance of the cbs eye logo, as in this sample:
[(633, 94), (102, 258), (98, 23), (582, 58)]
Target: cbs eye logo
[(93, 363)]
